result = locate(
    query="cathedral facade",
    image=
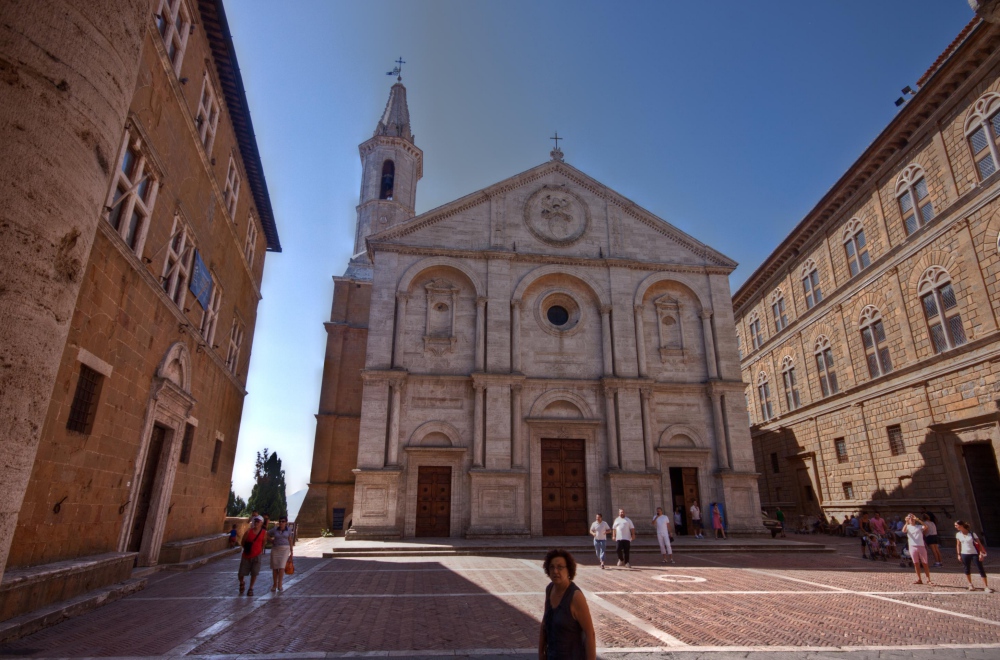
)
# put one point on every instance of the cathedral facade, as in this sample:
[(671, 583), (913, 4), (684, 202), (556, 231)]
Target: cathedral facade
[(522, 358)]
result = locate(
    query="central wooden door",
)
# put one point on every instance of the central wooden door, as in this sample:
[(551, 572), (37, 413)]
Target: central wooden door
[(564, 488), (433, 501), (145, 493)]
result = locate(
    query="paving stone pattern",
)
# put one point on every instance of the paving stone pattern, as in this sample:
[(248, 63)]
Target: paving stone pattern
[(482, 607)]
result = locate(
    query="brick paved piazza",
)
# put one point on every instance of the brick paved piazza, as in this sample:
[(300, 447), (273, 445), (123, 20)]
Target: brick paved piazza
[(708, 605)]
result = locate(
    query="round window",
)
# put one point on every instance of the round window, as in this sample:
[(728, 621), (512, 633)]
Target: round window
[(557, 315)]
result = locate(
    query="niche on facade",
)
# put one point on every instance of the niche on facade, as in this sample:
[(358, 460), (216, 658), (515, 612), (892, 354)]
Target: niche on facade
[(442, 300), (671, 330)]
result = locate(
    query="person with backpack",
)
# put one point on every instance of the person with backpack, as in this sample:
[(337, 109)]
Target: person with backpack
[(970, 548)]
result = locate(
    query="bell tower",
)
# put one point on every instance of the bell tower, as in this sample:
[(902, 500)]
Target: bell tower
[(391, 166)]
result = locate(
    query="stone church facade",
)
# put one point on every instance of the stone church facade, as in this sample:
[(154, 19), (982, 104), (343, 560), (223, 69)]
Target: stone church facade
[(870, 336), (515, 361)]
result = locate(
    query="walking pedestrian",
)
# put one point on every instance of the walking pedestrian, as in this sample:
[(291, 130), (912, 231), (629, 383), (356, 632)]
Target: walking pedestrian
[(915, 531), (281, 552), (717, 522), (567, 631), (969, 548), (662, 524), (623, 533), (932, 539), (696, 521), (678, 519), (599, 530), (780, 517), (253, 548)]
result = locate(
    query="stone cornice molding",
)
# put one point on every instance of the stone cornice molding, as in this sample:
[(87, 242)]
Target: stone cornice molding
[(627, 384), (562, 421), (484, 379), (391, 376)]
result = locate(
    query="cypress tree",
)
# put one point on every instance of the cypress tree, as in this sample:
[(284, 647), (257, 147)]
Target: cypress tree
[(268, 494)]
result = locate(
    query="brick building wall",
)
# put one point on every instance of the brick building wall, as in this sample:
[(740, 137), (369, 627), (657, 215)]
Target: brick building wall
[(919, 430), (138, 328)]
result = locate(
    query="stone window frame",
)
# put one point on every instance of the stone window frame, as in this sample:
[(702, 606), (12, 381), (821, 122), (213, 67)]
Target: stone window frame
[(983, 121), (778, 310), (823, 352), (220, 440), (792, 399), (570, 302), (178, 261), (206, 118), (840, 449), (894, 433), (775, 463), (848, 487), (231, 193), (764, 396), (668, 308), (133, 190), (756, 337), (909, 184), (210, 315), (236, 335), (90, 399), (739, 344), (187, 440), (856, 247), (439, 292), (941, 310), (874, 341), (250, 243), (173, 22), (811, 289)]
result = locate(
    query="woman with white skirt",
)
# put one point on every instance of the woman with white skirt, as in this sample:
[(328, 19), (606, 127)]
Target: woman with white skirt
[(281, 551)]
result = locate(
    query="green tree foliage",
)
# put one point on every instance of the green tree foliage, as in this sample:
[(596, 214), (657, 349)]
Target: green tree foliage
[(268, 494), (236, 505)]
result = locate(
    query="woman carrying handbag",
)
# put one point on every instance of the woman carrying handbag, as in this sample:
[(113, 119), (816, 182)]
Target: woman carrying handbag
[(281, 553), (970, 548)]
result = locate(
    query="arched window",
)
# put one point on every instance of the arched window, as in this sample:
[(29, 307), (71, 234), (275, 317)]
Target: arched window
[(791, 387), (982, 130), (756, 338), (856, 247), (824, 366), (873, 338), (914, 200), (810, 283), (778, 309), (388, 175), (764, 394), (941, 309)]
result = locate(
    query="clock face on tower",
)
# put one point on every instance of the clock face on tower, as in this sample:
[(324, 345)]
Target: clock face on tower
[(556, 216)]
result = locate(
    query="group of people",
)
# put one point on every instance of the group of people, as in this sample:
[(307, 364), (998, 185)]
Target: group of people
[(968, 548), (254, 541), (622, 532)]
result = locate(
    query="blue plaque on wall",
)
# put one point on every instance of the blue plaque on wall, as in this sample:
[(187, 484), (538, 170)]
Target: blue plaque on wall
[(201, 281)]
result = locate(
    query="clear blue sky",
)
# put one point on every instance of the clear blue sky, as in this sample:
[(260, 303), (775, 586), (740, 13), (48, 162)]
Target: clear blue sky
[(727, 119)]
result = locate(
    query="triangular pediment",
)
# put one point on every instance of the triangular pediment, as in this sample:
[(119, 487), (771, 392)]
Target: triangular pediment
[(554, 209)]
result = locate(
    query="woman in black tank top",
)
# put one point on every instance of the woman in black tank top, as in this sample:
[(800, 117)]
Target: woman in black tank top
[(567, 631)]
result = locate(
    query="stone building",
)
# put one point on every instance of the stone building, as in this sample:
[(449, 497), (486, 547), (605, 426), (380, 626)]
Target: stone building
[(521, 358), (869, 339), (137, 447)]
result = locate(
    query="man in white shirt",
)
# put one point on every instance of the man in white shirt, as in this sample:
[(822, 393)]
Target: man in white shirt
[(696, 521), (599, 530), (623, 533), (662, 524)]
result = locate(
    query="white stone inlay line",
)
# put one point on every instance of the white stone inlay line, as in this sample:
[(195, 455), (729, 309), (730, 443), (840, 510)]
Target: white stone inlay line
[(645, 627)]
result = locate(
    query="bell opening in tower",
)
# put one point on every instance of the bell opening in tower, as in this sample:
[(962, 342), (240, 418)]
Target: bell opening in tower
[(388, 174)]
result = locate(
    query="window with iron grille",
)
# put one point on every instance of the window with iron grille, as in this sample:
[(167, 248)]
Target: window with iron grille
[(755, 336), (914, 199), (216, 456), (848, 490), (791, 387), (173, 22), (875, 344), (810, 285), (841, 446), (856, 247), (982, 130), (896, 446), (764, 393), (134, 186), (778, 309), (940, 305), (84, 406), (187, 443), (824, 366), (774, 462)]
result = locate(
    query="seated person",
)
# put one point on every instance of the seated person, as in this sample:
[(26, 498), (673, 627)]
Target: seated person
[(232, 537)]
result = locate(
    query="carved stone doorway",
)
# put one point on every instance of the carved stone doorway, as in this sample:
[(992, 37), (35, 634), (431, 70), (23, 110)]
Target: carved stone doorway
[(981, 462), (433, 501), (145, 492), (564, 488)]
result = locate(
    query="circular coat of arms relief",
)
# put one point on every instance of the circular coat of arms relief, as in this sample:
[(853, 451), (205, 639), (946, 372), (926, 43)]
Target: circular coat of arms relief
[(556, 216)]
